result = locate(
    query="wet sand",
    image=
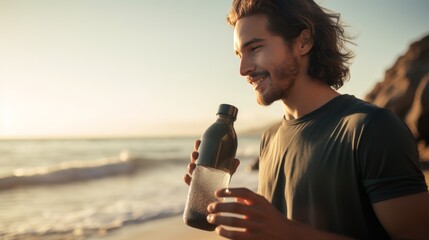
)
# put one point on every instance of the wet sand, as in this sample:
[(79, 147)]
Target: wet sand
[(162, 229)]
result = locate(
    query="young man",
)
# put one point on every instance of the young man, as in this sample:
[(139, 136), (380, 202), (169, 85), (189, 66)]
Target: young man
[(335, 167)]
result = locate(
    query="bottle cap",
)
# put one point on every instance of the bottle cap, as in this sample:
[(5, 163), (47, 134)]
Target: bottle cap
[(228, 110)]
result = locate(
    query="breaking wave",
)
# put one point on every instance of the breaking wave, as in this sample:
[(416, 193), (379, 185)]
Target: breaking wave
[(67, 172)]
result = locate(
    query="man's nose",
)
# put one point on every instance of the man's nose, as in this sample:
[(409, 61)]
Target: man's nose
[(246, 66)]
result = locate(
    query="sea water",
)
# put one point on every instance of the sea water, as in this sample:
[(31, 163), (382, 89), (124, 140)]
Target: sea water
[(79, 188)]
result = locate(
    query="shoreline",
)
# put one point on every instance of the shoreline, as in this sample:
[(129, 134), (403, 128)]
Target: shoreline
[(168, 228), (161, 229)]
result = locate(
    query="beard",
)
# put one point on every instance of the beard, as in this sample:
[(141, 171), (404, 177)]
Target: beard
[(281, 81)]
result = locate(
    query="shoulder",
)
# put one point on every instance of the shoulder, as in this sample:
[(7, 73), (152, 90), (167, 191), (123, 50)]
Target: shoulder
[(358, 112), (272, 130), (367, 123), (270, 133), (359, 108)]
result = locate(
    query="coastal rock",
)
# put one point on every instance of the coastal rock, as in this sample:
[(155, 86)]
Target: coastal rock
[(405, 90)]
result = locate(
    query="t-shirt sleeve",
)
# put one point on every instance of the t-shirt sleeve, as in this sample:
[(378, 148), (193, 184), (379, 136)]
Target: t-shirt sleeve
[(389, 158)]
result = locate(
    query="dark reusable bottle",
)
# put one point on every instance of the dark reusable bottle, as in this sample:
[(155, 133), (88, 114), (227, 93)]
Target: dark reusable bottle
[(216, 155)]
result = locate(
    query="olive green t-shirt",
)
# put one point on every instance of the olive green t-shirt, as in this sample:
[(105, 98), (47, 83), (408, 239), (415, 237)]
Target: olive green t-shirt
[(326, 168)]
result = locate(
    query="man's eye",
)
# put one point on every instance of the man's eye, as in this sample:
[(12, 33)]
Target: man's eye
[(255, 48)]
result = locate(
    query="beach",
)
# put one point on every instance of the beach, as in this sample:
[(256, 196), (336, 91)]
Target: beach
[(103, 189), (168, 228)]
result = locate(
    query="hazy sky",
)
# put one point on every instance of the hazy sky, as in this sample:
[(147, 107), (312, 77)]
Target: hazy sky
[(150, 67)]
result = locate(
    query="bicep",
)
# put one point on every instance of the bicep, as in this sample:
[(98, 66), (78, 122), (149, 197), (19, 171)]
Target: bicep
[(405, 217)]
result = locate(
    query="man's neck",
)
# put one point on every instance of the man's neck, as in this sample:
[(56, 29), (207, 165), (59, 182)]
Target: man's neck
[(305, 97)]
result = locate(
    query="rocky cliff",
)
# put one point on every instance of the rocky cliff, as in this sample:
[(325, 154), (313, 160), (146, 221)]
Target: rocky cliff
[(405, 90)]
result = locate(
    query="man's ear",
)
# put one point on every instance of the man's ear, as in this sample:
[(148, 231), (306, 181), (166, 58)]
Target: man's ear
[(304, 42)]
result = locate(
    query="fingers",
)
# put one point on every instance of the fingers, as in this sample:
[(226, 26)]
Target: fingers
[(237, 222), (197, 144), (233, 234), (248, 196), (234, 166), (249, 205), (187, 178), (230, 207), (194, 154), (191, 166), (235, 226)]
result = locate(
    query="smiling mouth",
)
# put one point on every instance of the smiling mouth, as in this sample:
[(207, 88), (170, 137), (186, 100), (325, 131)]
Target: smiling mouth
[(256, 78), (255, 83)]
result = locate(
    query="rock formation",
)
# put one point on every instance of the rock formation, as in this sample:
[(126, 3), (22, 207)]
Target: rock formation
[(405, 90)]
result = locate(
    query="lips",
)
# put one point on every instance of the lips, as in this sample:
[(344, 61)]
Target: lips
[(257, 79), (256, 83)]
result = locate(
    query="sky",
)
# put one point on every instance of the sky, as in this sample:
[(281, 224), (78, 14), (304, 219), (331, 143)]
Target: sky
[(119, 68)]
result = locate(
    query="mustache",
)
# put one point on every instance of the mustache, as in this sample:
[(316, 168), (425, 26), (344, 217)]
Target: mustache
[(259, 74)]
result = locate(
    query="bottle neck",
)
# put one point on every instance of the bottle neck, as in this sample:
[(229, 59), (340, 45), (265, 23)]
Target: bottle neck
[(225, 118)]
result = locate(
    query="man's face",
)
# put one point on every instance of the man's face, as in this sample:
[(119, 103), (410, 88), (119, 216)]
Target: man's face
[(265, 59)]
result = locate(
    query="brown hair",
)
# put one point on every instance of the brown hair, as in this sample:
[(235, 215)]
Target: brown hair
[(329, 58)]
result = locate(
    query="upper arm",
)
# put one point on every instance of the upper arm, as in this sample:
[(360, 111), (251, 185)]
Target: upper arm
[(405, 217), (388, 159)]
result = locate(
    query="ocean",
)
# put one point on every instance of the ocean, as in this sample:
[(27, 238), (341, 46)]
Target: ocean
[(87, 188)]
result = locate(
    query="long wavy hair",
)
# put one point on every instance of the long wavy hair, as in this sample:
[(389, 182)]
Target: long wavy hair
[(329, 57)]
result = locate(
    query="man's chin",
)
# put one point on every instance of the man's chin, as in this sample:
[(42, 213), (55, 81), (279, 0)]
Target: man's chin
[(261, 101)]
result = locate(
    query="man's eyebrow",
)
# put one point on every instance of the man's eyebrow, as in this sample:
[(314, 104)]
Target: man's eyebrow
[(246, 44)]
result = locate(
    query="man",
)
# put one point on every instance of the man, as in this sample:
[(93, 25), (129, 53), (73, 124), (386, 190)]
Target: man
[(335, 167)]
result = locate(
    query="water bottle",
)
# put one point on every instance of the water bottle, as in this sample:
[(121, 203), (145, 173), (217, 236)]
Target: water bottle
[(216, 155)]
